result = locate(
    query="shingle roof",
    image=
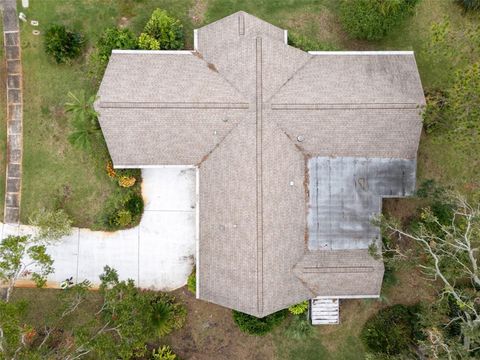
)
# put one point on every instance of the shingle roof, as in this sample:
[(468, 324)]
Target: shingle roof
[(250, 111)]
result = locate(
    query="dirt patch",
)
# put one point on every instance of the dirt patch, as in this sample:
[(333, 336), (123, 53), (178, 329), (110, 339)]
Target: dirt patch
[(402, 209), (123, 22), (210, 333), (197, 12)]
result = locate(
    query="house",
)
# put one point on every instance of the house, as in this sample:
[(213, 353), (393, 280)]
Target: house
[(294, 153)]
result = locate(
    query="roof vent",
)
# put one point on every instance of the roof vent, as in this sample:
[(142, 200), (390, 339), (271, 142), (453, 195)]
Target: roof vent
[(300, 138), (291, 183)]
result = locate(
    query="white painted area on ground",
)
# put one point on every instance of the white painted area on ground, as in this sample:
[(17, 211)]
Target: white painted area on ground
[(158, 254)]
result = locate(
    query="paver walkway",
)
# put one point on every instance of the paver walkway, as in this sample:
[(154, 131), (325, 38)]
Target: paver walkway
[(11, 39), (158, 254)]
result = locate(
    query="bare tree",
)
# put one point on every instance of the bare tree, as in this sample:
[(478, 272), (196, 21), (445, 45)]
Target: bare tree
[(451, 249)]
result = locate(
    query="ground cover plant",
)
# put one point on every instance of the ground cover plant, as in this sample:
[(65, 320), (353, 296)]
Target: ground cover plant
[(393, 331), (258, 326), (373, 19)]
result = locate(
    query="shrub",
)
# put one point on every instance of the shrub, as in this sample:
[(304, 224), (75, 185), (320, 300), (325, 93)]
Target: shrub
[(62, 44), (135, 205), (123, 218), (306, 44), (258, 326), (167, 315), (114, 38), (164, 353), (392, 331), (373, 19), (299, 308), (469, 4), (167, 30), (126, 181), (147, 42), (433, 116), (192, 282)]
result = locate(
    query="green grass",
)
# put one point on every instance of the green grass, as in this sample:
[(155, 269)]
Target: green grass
[(54, 171), (3, 128)]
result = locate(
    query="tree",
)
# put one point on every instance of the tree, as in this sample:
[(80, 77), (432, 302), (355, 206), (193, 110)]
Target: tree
[(51, 225), (23, 256), (62, 44), (451, 248), (118, 327), (166, 30), (85, 121)]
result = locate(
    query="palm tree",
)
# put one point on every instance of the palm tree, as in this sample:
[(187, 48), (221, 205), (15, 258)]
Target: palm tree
[(85, 120)]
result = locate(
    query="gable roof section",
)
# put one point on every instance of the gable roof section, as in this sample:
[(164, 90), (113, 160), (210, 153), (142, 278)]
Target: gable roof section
[(284, 106), (151, 103)]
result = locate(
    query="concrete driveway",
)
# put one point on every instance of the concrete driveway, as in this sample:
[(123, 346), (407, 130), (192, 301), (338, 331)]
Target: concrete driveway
[(158, 254)]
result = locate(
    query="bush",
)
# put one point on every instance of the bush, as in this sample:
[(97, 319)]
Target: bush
[(307, 44), (433, 116), (469, 4), (167, 30), (167, 315), (192, 282), (164, 353), (392, 331), (62, 44), (123, 218), (299, 308), (135, 205), (114, 38), (147, 42), (258, 326), (373, 19)]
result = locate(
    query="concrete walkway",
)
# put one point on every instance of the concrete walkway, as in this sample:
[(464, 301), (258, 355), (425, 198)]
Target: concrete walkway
[(158, 254), (14, 109)]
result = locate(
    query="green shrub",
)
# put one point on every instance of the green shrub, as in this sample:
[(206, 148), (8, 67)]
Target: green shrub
[(433, 115), (373, 19), (392, 331), (469, 4), (147, 42), (167, 315), (167, 30), (123, 218), (299, 308), (115, 38), (192, 282), (135, 205), (62, 44), (258, 326), (306, 44), (164, 353)]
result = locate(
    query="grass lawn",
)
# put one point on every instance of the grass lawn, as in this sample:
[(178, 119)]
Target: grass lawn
[(54, 171)]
